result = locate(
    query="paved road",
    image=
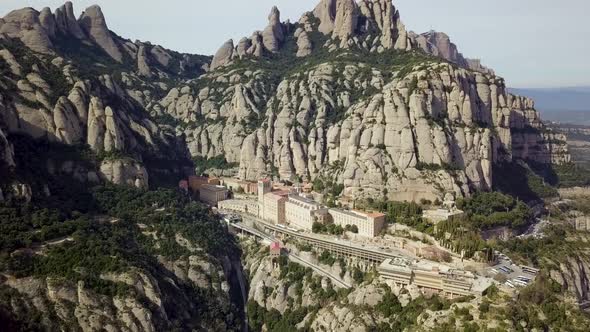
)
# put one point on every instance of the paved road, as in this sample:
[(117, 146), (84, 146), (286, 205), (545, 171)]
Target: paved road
[(266, 237), (319, 270), (393, 252)]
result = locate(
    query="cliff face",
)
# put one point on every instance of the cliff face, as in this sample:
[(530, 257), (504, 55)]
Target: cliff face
[(573, 274), (153, 300), (426, 123), (345, 91), (72, 81), (353, 94)]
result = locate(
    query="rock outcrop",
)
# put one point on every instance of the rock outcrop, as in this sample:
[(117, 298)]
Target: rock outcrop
[(371, 25), (155, 299), (345, 21), (439, 44), (66, 21), (94, 24), (273, 35), (325, 11), (24, 24), (124, 172), (304, 45), (44, 31), (225, 54)]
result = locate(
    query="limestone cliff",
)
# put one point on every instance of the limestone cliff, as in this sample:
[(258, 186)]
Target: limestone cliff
[(75, 82), (347, 91), (417, 131)]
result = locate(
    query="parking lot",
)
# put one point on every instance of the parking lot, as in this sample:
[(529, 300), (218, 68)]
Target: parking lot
[(516, 275)]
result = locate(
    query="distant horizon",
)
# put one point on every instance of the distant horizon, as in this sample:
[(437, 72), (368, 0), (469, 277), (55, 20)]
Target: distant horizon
[(513, 38), (583, 86)]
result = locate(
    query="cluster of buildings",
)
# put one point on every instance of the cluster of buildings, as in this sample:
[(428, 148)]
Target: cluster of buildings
[(297, 209), (209, 189), (290, 206), (433, 278)]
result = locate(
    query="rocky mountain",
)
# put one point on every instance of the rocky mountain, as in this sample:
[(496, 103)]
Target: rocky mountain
[(347, 93), (347, 90), (118, 259), (347, 86), (74, 82)]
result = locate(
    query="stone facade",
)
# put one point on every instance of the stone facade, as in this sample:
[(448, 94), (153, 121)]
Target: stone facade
[(301, 212), (196, 182), (274, 207), (212, 195), (433, 279), (240, 205), (369, 224)]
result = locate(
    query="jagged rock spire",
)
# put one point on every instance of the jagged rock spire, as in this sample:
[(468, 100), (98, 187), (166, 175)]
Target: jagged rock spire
[(94, 24), (273, 34), (66, 21), (325, 11), (345, 21)]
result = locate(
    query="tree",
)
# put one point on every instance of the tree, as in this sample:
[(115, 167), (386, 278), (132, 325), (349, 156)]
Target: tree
[(318, 227)]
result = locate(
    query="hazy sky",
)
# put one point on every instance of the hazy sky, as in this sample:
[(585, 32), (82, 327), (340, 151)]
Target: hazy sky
[(532, 43)]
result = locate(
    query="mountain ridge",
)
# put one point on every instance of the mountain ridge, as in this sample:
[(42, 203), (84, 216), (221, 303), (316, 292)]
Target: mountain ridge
[(288, 97)]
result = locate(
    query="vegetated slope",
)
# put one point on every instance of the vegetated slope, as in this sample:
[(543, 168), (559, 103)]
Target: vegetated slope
[(111, 257), (286, 296)]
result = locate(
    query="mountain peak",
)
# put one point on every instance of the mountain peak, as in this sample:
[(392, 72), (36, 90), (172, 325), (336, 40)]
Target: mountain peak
[(94, 24), (370, 25)]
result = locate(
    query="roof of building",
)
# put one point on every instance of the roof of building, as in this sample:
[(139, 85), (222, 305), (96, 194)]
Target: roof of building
[(399, 264), (304, 200), (264, 180), (371, 214), (213, 187), (276, 195)]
